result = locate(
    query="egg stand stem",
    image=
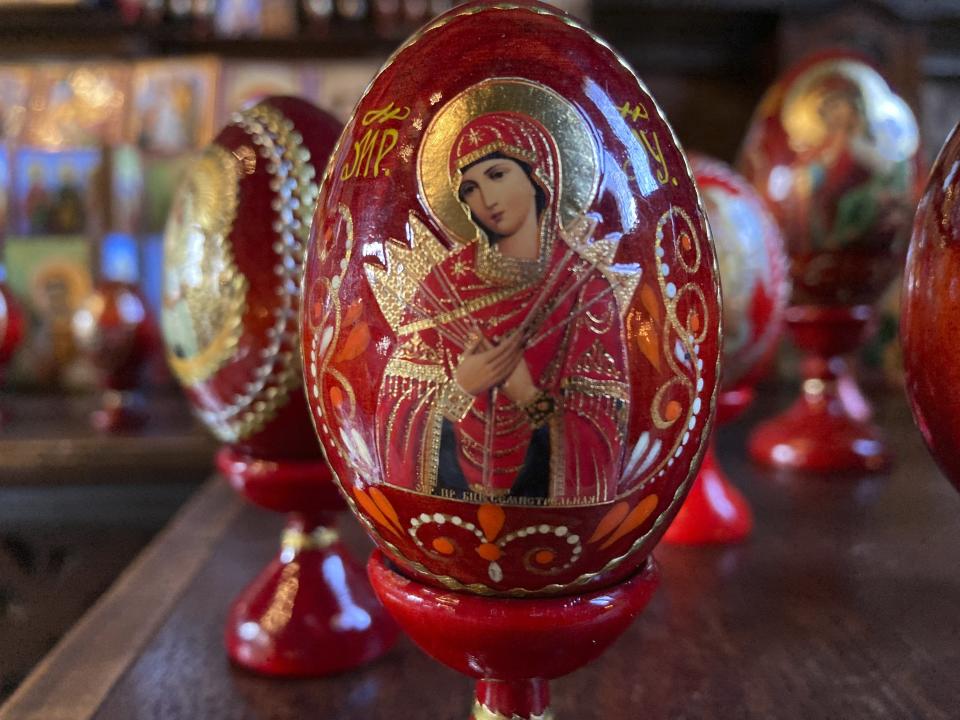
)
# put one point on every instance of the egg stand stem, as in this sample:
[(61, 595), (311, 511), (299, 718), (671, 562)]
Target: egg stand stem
[(310, 612), (828, 429)]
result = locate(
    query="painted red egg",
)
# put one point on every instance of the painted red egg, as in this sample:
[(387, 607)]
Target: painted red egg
[(753, 269), (233, 258), (113, 329), (930, 311), (11, 328), (511, 308), (833, 150), (11, 322)]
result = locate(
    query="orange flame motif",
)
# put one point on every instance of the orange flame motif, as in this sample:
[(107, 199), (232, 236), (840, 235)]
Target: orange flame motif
[(647, 330), (491, 519), (610, 521), (673, 410), (353, 313), (444, 546), (359, 336), (620, 520), (379, 507), (385, 507), (357, 341), (649, 299)]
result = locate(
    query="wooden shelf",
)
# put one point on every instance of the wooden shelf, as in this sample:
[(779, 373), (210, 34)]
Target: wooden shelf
[(90, 33), (351, 42), (64, 32), (48, 441)]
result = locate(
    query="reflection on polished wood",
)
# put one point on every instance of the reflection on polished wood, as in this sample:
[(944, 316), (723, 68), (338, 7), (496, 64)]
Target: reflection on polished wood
[(76, 507), (61, 547), (845, 603), (48, 439)]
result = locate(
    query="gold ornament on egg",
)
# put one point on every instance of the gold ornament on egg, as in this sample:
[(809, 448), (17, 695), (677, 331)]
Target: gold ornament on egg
[(204, 294)]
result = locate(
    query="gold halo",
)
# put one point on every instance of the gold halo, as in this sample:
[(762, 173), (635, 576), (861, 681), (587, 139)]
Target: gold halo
[(887, 115), (579, 165)]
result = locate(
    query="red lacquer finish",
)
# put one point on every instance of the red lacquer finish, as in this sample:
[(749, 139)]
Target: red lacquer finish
[(11, 329), (828, 428), (511, 341), (282, 485), (233, 253), (834, 151), (513, 647), (930, 317), (311, 611), (513, 386), (756, 288), (715, 511), (231, 331), (114, 330)]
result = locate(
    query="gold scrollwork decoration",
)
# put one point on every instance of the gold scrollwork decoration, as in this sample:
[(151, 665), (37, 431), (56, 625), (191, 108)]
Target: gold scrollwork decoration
[(677, 335), (320, 538), (685, 240), (323, 349)]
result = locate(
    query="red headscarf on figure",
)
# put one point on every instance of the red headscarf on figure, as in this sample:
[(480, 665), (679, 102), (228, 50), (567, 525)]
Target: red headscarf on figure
[(515, 136)]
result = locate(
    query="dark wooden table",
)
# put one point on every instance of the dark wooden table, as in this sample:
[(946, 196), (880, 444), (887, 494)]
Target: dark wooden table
[(77, 506), (845, 604)]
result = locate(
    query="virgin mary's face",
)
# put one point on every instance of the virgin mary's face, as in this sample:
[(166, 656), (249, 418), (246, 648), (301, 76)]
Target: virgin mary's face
[(840, 113), (500, 195)]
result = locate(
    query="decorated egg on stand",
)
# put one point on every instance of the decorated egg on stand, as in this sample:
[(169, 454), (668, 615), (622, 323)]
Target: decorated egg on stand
[(233, 259), (113, 329), (11, 327), (930, 312), (511, 341), (756, 288), (833, 150)]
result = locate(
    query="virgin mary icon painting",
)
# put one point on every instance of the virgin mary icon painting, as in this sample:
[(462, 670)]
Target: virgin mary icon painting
[(509, 377), (511, 313)]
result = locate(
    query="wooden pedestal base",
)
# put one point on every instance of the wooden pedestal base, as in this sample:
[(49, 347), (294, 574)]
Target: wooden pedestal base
[(311, 611), (714, 511), (512, 646), (828, 428)]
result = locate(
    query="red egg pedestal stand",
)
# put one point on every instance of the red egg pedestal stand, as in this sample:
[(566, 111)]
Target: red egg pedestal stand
[(714, 511), (311, 611), (120, 411), (512, 646), (828, 429), (114, 330)]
